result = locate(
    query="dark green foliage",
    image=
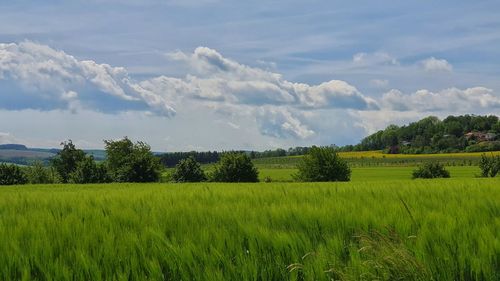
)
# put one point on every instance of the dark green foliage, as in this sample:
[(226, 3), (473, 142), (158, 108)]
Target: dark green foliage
[(37, 173), (12, 174), (431, 135), (188, 170), (171, 159), (129, 162), (431, 170), (66, 160), (484, 147), (235, 167), (88, 171), (490, 166), (323, 164)]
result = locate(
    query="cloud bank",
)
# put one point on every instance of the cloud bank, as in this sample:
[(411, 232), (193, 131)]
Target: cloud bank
[(35, 76)]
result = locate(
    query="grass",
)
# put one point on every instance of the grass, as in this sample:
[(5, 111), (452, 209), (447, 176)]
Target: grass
[(360, 174), (415, 230), (377, 158)]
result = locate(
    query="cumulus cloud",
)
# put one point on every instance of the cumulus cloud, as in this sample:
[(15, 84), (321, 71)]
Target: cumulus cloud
[(220, 78), (450, 100), (45, 78), (34, 76), (436, 65), (281, 123)]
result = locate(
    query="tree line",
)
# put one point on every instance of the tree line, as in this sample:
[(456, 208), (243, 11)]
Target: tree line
[(134, 162), (465, 133), (126, 162), (170, 159)]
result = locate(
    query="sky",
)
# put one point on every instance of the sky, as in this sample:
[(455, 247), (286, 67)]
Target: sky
[(253, 75)]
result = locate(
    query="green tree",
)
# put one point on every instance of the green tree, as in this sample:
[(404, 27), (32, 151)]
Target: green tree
[(235, 167), (188, 170), (37, 173), (66, 160), (88, 171), (431, 170), (129, 162), (323, 164), (12, 174)]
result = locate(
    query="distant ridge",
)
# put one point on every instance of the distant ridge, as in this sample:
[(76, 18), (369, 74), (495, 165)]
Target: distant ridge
[(13, 146)]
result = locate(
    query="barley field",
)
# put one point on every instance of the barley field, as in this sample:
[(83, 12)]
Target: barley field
[(392, 230)]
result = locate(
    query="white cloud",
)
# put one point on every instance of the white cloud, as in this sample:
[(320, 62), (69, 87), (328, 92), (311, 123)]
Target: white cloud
[(436, 65), (6, 138), (219, 78), (477, 99), (48, 79), (374, 59), (281, 123), (45, 77)]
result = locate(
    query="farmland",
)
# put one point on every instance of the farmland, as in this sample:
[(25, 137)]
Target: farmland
[(382, 225), (446, 229)]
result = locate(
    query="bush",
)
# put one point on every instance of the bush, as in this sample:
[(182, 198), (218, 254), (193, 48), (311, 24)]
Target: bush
[(235, 167), (490, 166), (37, 173), (431, 170), (188, 170), (484, 146), (88, 171), (11, 175), (129, 162), (323, 164)]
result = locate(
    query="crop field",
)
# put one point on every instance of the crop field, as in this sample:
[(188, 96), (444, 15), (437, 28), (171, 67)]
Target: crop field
[(377, 158), (395, 230), (379, 173)]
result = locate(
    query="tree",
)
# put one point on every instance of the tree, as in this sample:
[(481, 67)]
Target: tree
[(66, 160), (88, 171), (235, 167), (188, 170), (431, 170), (11, 175), (129, 162), (37, 173), (323, 164)]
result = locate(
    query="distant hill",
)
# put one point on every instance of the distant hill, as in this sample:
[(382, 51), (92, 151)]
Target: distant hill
[(465, 133), (23, 155), (13, 146)]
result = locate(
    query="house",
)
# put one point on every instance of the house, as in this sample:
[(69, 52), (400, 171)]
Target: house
[(479, 136)]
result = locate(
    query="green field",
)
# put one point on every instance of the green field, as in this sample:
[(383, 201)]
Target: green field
[(432, 230), (371, 173), (379, 159)]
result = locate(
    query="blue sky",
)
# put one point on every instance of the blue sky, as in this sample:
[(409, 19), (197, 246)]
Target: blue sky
[(213, 74)]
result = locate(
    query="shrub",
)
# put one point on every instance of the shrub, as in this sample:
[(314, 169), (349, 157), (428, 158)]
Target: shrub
[(188, 170), (484, 146), (11, 175), (490, 166), (88, 171), (37, 173), (129, 162), (235, 167), (431, 170), (323, 164)]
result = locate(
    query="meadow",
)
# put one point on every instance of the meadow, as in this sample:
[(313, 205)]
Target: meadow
[(380, 159), (406, 229)]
